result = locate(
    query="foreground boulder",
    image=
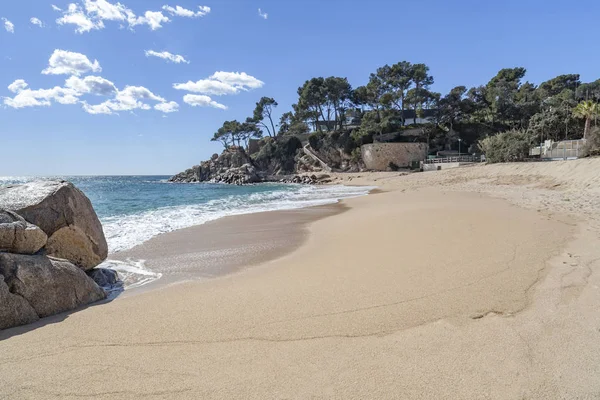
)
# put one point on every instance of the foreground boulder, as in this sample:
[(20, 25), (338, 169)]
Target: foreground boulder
[(65, 214), (33, 287), (14, 310), (19, 236)]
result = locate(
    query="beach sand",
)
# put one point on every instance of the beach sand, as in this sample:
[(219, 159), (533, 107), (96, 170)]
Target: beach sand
[(475, 283), (226, 245)]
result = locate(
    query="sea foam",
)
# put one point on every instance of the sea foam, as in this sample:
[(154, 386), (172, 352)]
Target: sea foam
[(126, 231)]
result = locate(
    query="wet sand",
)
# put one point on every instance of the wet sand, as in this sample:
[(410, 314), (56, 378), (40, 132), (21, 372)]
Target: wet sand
[(226, 245), (479, 283)]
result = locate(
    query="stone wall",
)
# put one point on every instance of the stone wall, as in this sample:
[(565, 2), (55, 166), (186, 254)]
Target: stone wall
[(378, 156)]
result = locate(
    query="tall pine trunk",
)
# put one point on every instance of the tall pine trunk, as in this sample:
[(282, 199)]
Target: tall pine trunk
[(402, 108), (588, 125)]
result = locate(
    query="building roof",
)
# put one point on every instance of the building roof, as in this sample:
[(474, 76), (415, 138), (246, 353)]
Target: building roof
[(411, 114)]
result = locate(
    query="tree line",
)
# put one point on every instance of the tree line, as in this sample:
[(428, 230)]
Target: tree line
[(560, 108)]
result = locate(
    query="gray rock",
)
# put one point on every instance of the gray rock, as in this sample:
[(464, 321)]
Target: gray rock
[(65, 214), (14, 309), (233, 166), (19, 236), (48, 285), (104, 277)]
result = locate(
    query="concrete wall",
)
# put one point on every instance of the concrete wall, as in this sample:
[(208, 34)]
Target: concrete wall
[(378, 156), (440, 166)]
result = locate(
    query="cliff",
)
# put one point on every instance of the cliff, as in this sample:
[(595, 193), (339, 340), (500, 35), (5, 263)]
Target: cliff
[(280, 160)]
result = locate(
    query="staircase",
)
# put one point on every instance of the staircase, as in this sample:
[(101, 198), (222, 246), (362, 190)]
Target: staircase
[(312, 155)]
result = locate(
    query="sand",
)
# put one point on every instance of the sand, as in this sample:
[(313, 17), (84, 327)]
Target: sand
[(226, 245), (475, 283)]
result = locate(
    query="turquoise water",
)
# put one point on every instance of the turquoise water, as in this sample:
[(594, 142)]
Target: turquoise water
[(134, 209)]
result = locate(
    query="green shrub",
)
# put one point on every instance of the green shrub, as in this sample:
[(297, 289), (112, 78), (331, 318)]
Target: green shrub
[(314, 139), (289, 145), (507, 146), (592, 144), (356, 156), (278, 153)]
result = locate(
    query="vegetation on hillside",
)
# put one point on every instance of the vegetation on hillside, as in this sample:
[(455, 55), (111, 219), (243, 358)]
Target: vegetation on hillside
[(509, 146), (398, 96)]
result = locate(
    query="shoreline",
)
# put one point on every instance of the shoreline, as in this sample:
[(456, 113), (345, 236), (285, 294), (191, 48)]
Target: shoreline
[(225, 246), (457, 284)]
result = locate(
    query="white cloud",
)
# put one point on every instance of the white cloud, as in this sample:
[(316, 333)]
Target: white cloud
[(262, 14), (183, 12), (129, 99), (103, 10), (165, 55), (36, 21), (91, 14), (207, 86), (41, 97), (154, 19), (132, 94), (76, 87), (75, 15), (98, 108), (91, 85), (240, 80), (64, 62), (196, 100), (222, 83), (169, 107), (9, 26), (18, 86)]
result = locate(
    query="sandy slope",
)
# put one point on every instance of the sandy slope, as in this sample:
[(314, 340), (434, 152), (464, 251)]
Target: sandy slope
[(433, 289)]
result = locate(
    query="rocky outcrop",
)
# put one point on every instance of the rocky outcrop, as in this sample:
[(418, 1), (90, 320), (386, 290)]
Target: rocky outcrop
[(65, 215), (33, 287), (19, 236), (308, 179), (232, 166), (238, 176), (276, 159)]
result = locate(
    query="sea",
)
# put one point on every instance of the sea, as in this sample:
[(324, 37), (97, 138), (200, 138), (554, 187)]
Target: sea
[(134, 209)]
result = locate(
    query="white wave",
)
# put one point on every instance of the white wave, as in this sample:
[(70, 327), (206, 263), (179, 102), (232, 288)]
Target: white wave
[(16, 180), (126, 231), (132, 274)]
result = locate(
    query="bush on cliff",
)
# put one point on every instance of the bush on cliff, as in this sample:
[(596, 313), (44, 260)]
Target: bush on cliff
[(315, 140), (592, 145), (507, 146), (278, 155)]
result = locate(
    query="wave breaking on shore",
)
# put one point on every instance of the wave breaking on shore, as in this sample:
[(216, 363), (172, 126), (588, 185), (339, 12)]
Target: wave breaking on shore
[(126, 231)]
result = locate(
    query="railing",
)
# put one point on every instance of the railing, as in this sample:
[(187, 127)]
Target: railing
[(456, 159), (312, 155), (564, 150)]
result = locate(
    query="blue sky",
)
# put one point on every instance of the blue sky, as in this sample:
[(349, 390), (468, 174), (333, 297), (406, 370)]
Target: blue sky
[(232, 49)]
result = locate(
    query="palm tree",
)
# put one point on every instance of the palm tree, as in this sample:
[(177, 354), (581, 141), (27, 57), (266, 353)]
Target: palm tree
[(588, 110)]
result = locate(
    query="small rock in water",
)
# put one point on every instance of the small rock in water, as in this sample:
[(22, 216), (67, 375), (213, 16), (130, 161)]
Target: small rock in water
[(104, 277)]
